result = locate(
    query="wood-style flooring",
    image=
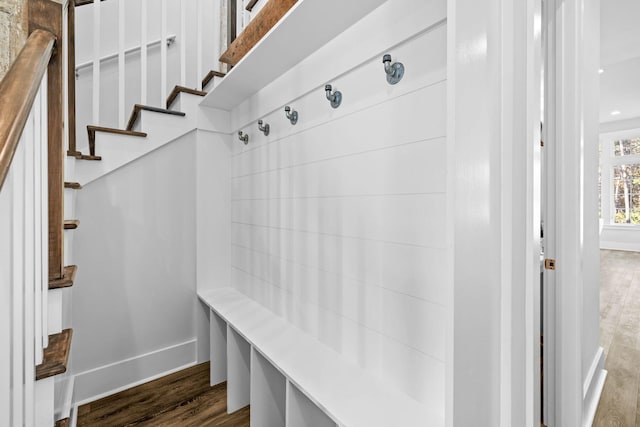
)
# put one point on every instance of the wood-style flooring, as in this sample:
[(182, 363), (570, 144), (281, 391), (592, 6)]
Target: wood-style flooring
[(181, 399), (620, 338)]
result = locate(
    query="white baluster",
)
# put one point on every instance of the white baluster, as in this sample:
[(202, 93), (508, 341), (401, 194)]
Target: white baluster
[(17, 281), (121, 64), (199, 32), (216, 33), (28, 139), (44, 197), (143, 52), (163, 52), (6, 319), (37, 225), (96, 62), (183, 43)]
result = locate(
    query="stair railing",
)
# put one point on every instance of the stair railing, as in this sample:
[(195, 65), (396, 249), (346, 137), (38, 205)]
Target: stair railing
[(24, 235)]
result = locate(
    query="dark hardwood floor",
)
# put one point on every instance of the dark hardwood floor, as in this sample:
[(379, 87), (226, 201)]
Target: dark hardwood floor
[(181, 399), (620, 338)]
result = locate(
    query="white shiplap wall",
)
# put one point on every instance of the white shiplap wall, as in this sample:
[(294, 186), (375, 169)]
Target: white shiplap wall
[(338, 223)]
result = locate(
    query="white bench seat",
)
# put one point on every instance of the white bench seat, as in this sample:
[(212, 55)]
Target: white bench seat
[(344, 392)]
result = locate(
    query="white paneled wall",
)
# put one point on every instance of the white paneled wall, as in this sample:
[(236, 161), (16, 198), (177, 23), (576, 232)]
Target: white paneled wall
[(338, 223)]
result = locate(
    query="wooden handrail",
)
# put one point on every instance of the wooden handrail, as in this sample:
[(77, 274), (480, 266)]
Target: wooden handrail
[(18, 91)]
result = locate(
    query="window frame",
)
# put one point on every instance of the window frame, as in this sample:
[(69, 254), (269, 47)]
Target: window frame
[(608, 160)]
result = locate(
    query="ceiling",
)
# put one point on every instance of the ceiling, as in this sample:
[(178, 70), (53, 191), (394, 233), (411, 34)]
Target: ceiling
[(620, 59)]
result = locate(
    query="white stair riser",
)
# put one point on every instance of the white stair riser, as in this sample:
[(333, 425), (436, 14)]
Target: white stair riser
[(44, 405), (212, 83), (55, 311)]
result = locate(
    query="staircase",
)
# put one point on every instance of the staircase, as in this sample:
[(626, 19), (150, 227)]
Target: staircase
[(148, 128)]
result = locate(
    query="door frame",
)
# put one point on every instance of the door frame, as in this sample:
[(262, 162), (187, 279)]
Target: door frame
[(571, 127)]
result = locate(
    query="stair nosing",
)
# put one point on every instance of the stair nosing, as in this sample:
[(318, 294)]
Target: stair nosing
[(73, 185), (71, 224), (93, 128), (56, 355), (67, 280)]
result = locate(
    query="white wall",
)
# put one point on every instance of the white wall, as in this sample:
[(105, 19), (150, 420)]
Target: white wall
[(338, 223), (135, 310)]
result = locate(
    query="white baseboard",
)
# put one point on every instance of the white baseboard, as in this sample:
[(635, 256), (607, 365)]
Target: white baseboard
[(620, 237), (112, 378), (592, 388), (620, 246)]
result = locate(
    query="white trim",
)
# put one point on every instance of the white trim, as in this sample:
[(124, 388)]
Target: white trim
[(493, 81), (592, 388), (112, 378), (620, 125), (572, 69)]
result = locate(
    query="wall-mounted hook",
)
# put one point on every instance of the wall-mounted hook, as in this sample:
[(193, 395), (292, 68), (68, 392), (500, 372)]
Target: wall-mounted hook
[(243, 137), (264, 129), (335, 98), (394, 71), (293, 116)]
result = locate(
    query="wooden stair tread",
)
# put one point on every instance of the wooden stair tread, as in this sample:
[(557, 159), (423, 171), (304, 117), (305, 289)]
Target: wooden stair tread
[(268, 16), (73, 185), (176, 91), (56, 356), (91, 128), (71, 224), (65, 422), (139, 107), (210, 75), (67, 279), (88, 157)]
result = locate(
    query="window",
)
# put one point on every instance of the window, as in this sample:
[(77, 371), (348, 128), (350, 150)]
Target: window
[(620, 176)]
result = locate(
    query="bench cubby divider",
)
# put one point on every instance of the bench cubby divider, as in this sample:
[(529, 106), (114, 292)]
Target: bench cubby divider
[(238, 371), (268, 393), (218, 348)]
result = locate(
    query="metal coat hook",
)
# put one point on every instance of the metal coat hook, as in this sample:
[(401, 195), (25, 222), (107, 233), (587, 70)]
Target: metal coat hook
[(264, 129), (293, 116), (243, 137), (394, 71), (335, 98)]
